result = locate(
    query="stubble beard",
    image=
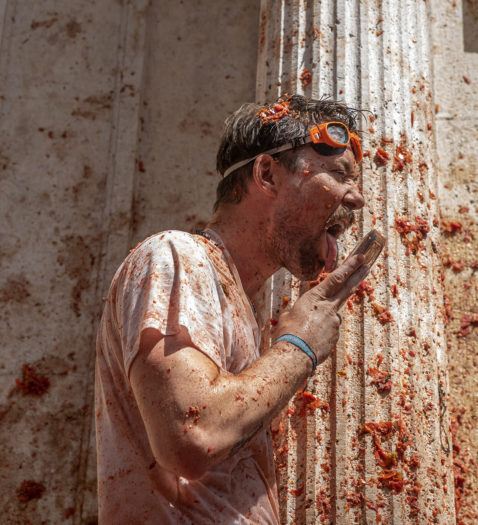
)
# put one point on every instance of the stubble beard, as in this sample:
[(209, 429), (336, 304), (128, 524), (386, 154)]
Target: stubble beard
[(295, 249)]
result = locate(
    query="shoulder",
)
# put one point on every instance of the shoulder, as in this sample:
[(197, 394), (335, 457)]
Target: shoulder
[(165, 238), (181, 244), (169, 251)]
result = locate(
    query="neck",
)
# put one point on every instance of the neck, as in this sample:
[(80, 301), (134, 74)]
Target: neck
[(244, 238)]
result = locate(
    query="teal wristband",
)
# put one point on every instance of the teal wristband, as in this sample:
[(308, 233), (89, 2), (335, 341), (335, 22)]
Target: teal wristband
[(300, 343)]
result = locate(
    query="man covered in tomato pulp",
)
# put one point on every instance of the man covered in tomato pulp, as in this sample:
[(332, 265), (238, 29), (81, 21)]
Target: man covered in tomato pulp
[(184, 398)]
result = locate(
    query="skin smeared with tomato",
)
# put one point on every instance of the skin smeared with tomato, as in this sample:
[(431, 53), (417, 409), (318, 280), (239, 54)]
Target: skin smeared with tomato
[(296, 237)]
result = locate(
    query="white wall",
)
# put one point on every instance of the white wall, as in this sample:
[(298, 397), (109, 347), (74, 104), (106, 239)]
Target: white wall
[(88, 89)]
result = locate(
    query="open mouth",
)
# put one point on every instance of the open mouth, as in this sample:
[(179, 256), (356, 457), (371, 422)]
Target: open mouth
[(334, 229)]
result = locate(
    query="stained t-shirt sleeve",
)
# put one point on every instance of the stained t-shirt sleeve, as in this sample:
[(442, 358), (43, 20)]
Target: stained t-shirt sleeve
[(167, 283)]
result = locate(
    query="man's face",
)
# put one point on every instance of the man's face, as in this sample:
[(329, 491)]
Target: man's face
[(313, 208)]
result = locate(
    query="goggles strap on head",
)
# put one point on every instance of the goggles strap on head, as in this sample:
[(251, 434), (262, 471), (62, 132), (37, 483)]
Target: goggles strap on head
[(315, 136), (272, 151)]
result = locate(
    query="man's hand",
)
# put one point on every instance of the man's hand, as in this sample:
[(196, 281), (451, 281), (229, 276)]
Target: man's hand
[(314, 317)]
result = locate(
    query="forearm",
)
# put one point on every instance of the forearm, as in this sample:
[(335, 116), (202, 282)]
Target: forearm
[(238, 407)]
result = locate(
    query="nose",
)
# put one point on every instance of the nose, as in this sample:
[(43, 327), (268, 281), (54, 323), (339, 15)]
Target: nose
[(353, 199)]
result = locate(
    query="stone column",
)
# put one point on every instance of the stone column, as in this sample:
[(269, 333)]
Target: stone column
[(369, 439)]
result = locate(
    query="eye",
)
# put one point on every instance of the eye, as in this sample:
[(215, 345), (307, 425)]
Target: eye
[(346, 176), (341, 174)]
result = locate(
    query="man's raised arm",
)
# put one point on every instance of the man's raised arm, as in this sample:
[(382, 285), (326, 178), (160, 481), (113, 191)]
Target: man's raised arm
[(196, 416)]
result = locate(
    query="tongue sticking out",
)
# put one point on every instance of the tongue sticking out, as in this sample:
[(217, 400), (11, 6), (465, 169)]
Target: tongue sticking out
[(331, 259)]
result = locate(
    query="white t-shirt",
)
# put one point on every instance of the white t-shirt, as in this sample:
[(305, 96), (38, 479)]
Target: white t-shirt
[(171, 280)]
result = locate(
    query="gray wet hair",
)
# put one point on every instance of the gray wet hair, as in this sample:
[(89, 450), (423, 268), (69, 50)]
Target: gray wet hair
[(247, 134)]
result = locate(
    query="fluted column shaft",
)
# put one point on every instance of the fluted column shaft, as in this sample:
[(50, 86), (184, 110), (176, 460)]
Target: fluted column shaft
[(335, 464)]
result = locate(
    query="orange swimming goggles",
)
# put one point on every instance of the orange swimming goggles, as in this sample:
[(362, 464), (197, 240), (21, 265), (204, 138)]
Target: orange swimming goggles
[(329, 138)]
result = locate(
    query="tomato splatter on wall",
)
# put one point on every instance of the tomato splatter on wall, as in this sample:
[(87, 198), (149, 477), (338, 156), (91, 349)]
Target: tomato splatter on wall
[(381, 379), (32, 383), (412, 233), (29, 490), (381, 157), (305, 78)]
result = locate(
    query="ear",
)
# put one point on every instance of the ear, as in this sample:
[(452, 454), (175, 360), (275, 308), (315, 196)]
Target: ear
[(266, 175)]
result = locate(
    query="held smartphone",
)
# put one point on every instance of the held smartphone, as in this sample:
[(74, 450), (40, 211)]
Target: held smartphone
[(371, 246)]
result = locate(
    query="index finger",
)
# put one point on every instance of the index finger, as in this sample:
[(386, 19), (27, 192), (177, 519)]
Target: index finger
[(350, 285)]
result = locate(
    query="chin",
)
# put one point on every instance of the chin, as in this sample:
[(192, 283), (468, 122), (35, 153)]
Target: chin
[(307, 274)]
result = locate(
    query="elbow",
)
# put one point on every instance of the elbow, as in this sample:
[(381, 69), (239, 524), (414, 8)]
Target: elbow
[(191, 464), (189, 455), (191, 468)]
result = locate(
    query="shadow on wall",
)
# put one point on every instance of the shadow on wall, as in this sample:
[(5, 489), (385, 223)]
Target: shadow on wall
[(470, 26)]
